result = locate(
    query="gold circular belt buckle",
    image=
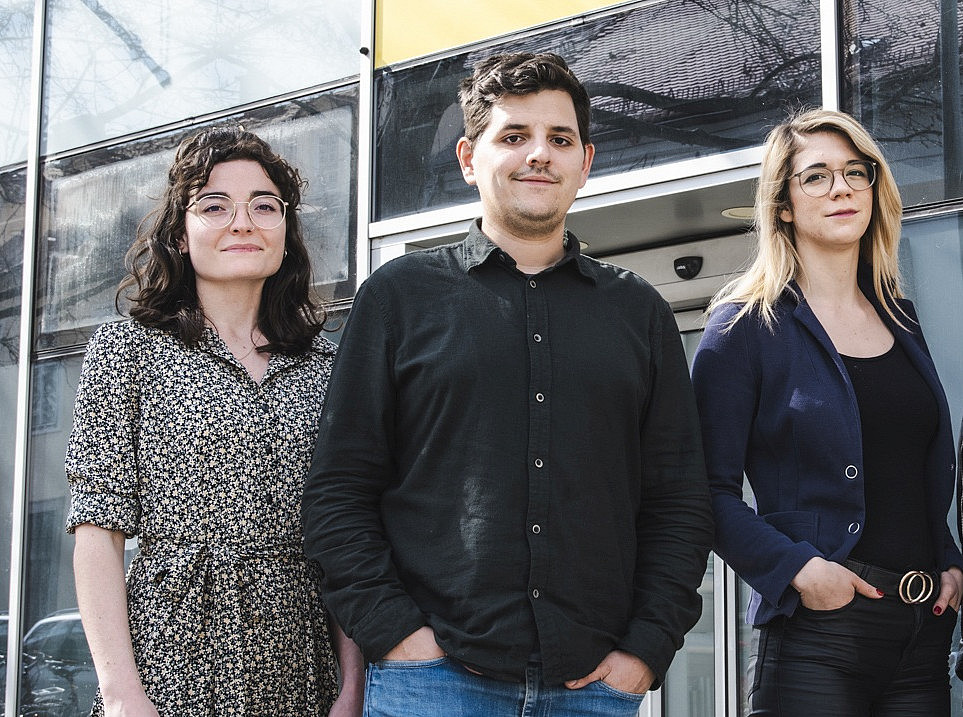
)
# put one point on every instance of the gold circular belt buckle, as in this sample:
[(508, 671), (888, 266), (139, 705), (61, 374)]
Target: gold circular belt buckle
[(915, 587)]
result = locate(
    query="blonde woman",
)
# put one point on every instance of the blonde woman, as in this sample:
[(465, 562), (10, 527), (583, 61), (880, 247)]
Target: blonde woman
[(814, 381)]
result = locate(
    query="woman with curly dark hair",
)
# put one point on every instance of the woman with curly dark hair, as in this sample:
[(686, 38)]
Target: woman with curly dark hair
[(193, 428)]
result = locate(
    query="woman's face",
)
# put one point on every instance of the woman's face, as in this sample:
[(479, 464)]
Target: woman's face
[(837, 220), (241, 252)]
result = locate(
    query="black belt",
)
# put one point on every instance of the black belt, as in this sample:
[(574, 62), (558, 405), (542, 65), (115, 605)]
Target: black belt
[(913, 587)]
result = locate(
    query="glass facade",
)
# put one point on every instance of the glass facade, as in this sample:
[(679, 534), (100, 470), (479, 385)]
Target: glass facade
[(16, 33), (902, 81), (85, 234), (671, 82), (114, 67), (12, 190)]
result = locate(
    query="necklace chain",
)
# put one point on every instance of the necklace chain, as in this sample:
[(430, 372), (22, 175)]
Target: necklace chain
[(249, 351), (240, 359)]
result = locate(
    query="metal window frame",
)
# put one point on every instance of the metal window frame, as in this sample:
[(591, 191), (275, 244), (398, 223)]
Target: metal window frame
[(24, 364)]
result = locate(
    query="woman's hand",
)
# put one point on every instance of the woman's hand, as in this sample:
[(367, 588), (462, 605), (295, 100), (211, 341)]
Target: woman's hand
[(825, 585), (951, 591), (347, 705), (134, 704), (102, 598)]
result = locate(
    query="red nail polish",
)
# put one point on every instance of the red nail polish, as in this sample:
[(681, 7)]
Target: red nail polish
[(880, 592), (937, 610)]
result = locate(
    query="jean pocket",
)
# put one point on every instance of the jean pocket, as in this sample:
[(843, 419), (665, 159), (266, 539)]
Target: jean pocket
[(411, 664), (834, 611), (621, 694)]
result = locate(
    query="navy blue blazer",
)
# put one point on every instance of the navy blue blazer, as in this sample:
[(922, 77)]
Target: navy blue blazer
[(779, 406)]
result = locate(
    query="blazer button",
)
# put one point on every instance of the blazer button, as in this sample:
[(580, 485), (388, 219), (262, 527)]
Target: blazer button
[(853, 528), (852, 472)]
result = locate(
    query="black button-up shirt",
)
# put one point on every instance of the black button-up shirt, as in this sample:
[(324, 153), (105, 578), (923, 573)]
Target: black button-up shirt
[(513, 460)]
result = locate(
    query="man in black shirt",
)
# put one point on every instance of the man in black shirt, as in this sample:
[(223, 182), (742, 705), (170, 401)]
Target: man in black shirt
[(508, 491)]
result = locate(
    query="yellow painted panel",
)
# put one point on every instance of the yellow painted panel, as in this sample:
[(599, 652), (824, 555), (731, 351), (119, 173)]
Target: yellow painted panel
[(411, 28)]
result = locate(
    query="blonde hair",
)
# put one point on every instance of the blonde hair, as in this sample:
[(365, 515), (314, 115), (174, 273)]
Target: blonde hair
[(776, 261)]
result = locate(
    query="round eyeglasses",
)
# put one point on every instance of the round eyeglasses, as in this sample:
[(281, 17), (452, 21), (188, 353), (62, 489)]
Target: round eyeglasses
[(218, 211), (818, 181)]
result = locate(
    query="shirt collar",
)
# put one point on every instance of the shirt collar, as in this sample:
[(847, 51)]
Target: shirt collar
[(479, 249)]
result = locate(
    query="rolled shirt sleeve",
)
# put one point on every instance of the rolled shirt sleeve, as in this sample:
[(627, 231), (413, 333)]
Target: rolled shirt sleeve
[(101, 460)]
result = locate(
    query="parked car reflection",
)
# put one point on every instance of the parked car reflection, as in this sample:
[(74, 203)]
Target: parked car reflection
[(58, 677)]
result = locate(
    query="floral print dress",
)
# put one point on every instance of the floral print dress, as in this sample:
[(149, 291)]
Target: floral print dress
[(182, 448)]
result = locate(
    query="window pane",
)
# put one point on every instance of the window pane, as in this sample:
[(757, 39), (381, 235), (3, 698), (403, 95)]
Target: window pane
[(689, 689), (931, 257), (906, 91), (668, 81), (57, 674), (12, 188), (746, 646), (119, 66), (92, 204), (16, 36)]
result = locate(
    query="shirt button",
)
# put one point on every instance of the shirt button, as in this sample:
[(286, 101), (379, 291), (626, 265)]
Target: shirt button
[(853, 528), (539, 463), (538, 338), (535, 593), (852, 472), (539, 397), (532, 283), (536, 529)]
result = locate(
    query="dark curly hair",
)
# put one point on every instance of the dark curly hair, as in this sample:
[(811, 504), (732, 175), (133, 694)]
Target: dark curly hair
[(160, 283), (520, 73)]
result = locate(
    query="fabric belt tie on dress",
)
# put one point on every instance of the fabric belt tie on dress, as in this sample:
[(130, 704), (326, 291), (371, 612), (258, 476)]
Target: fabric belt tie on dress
[(195, 575), (913, 587)]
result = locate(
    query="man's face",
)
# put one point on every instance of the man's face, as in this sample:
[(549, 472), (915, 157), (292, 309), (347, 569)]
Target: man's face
[(527, 164)]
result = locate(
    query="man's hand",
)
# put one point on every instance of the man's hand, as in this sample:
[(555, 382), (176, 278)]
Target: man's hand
[(620, 670), (418, 646)]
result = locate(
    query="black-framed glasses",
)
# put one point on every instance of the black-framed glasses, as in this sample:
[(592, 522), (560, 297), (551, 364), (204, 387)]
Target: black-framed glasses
[(818, 181), (218, 210)]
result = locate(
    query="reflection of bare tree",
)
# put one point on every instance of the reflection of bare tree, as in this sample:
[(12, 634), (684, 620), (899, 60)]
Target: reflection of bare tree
[(891, 69), (668, 81), (759, 28), (950, 84), (16, 29), (117, 67), (12, 188), (632, 125), (130, 40), (94, 202)]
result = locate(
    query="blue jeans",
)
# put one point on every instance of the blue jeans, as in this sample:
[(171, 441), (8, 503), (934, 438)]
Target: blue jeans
[(443, 688)]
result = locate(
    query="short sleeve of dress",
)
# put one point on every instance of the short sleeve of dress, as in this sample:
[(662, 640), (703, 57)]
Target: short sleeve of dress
[(101, 461)]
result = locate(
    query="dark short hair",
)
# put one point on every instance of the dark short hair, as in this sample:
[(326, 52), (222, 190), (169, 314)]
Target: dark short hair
[(160, 283), (519, 73)]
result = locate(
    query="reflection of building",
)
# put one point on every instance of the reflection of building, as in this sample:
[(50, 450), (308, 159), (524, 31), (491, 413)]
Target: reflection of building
[(683, 93)]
